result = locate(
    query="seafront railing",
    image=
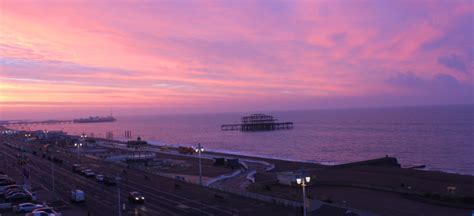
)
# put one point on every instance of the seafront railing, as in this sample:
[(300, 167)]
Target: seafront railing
[(260, 197)]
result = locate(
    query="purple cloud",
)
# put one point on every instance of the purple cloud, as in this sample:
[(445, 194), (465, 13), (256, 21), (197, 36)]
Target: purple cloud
[(454, 62)]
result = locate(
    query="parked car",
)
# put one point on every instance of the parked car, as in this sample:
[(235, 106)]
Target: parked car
[(6, 182), (18, 197), (99, 178), (8, 188), (27, 207), (110, 180), (135, 197), (13, 191), (88, 173), (48, 210), (12, 187), (76, 168), (39, 213)]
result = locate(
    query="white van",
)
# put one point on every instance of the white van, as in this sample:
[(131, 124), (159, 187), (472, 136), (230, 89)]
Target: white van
[(78, 196)]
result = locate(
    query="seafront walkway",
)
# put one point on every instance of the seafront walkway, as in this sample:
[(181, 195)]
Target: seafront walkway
[(237, 177)]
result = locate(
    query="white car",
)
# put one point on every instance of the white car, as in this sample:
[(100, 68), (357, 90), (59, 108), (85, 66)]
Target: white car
[(27, 207)]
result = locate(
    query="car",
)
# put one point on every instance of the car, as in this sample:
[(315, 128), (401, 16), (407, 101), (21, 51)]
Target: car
[(39, 213), (11, 187), (5, 182), (76, 168), (48, 210), (99, 178), (110, 180), (13, 191), (88, 173), (135, 197), (18, 197), (27, 207), (80, 169), (8, 188)]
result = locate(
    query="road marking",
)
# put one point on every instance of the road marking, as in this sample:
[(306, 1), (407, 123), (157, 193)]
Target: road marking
[(182, 206)]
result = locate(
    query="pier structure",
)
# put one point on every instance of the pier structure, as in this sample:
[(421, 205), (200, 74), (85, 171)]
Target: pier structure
[(26, 123), (258, 122)]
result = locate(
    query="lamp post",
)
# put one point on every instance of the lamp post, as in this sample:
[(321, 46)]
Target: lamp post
[(77, 145), (303, 181), (199, 150), (52, 179), (83, 137), (118, 195)]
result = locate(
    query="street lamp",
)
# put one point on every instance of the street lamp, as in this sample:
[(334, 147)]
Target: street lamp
[(52, 179), (77, 145), (199, 150), (118, 194), (83, 137), (303, 181)]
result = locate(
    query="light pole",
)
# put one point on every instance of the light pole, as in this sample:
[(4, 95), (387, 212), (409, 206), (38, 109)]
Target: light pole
[(77, 145), (118, 195), (83, 137), (52, 178), (303, 181), (199, 150)]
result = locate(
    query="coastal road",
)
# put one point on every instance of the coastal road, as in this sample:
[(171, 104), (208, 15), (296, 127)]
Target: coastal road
[(162, 196), (102, 199)]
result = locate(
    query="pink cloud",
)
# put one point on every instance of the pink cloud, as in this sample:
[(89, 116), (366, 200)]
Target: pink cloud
[(186, 54)]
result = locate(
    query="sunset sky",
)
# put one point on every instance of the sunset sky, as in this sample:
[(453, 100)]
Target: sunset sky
[(75, 58)]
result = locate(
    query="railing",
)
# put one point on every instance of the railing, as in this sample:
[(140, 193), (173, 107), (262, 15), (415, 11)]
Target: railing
[(251, 176), (222, 177)]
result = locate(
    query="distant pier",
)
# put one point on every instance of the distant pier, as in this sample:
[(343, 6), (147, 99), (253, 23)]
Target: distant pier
[(25, 123), (258, 122)]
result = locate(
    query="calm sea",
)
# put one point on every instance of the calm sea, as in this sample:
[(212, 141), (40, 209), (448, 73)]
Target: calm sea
[(440, 137)]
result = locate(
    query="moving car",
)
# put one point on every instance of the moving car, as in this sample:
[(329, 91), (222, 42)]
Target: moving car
[(135, 197), (27, 207)]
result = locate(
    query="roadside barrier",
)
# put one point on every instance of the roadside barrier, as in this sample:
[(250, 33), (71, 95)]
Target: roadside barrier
[(251, 176)]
